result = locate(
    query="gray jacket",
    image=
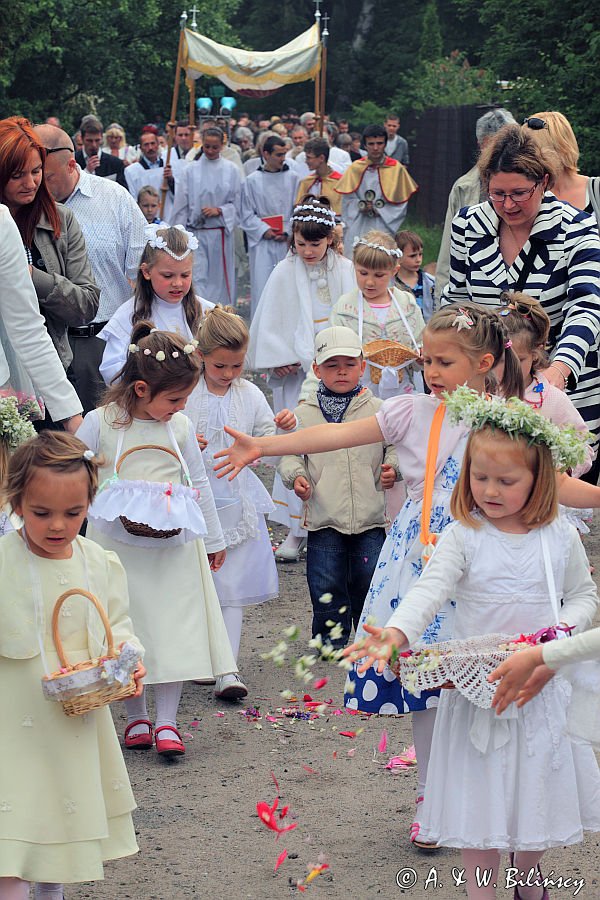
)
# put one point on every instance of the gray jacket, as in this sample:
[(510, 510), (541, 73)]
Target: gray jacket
[(66, 290)]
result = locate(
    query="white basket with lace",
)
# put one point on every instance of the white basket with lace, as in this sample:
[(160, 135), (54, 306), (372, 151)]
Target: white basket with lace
[(462, 664)]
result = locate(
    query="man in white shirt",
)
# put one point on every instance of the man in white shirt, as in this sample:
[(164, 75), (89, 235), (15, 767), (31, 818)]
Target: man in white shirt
[(113, 228), (268, 193), (207, 203), (151, 169)]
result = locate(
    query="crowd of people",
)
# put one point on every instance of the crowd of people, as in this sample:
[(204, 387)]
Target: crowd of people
[(435, 418)]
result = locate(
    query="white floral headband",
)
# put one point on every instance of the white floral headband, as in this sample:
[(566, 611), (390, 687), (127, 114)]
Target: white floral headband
[(159, 243), (318, 219), (322, 211), (396, 252), (160, 355)]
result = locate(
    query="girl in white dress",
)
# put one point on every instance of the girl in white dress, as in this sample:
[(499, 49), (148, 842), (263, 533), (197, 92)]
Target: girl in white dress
[(65, 798), (153, 474), (294, 306), (514, 783), (164, 294), (378, 310), (223, 397)]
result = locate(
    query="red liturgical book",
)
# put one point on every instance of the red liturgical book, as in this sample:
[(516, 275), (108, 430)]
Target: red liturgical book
[(274, 222)]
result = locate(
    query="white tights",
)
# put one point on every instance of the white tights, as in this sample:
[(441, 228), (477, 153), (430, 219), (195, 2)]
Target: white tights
[(487, 862), (167, 697), (47, 891), (422, 726), (233, 617), (14, 889)]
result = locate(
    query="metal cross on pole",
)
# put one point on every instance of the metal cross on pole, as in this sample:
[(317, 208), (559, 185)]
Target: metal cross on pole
[(194, 23)]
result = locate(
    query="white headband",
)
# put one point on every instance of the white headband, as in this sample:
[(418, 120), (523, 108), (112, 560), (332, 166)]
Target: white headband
[(321, 210), (159, 243), (396, 252), (318, 219)]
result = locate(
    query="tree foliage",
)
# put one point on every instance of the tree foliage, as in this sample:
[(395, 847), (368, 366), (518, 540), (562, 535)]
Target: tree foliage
[(67, 58)]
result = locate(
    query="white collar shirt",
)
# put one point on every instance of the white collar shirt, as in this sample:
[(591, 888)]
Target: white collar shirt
[(113, 228)]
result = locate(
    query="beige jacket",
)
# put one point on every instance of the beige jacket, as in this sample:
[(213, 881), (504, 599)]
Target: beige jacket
[(466, 191), (346, 484)]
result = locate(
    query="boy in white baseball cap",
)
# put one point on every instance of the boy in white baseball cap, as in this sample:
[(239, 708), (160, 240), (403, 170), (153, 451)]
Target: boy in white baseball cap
[(342, 490)]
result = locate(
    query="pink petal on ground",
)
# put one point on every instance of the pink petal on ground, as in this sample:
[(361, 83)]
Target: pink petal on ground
[(381, 747), (348, 734), (309, 770), (320, 683), (195, 724), (351, 752), (276, 783), (280, 859), (219, 715)]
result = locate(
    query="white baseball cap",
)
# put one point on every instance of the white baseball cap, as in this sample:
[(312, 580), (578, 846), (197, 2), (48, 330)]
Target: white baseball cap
[(336, 341)]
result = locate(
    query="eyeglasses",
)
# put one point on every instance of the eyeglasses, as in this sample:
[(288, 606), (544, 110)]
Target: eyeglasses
[(535, 123), (56, 149), (514, 196)]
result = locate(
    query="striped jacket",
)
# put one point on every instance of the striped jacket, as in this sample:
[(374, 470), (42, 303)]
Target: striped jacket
[(564, 277)]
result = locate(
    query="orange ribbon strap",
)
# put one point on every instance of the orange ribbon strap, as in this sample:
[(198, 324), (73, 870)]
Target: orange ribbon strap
[(426, 537)]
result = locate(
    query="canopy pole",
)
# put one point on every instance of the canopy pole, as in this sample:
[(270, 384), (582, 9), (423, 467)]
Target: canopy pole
[(323, 78), (171, 124), (318, 117)]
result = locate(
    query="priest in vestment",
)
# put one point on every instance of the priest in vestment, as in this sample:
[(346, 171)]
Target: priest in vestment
[(206, 202), (268, 196), (375, 190)]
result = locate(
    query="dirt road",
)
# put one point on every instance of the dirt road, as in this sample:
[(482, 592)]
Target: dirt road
[(198, 830)]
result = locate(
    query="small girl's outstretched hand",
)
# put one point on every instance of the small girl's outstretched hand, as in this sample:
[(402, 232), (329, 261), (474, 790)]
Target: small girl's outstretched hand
[(377, 648), (286, 420), (388, 477), (242, 452), (216, 560), (516, 673), (202, 442)]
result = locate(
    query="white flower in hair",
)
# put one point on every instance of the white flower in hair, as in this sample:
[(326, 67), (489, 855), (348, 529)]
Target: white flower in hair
[(133, 348), (160, 356), (189, 348), (88, 455)]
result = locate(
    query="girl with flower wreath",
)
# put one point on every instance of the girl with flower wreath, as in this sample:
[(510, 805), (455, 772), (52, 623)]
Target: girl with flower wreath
[(164, 294), (294, 306), (514, 783), (155, 509)]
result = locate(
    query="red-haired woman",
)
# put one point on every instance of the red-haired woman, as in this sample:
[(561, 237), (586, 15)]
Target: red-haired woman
[(52, 239)]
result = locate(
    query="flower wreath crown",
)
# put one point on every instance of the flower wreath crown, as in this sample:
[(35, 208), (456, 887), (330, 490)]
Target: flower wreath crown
[(324, 216), (517, 419), (160, 355), (159, 243), (397, 253)]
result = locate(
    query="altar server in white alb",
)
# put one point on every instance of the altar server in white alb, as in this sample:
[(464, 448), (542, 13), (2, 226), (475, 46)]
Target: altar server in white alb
[(207, 203), (152, 169), (267, 201), (295, 305)]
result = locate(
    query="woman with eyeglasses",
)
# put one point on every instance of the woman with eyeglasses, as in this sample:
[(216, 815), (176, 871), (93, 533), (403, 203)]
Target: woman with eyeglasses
[(525, 239), (553, 133), (52, 242)]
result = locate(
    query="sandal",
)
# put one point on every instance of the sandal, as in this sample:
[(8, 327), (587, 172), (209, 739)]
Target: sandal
[(168, 746), (139, 741), (414, 834), (517, 896)]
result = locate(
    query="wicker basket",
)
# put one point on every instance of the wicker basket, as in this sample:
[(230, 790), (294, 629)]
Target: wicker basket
[(96, 696), (140, 529), (386, 353)]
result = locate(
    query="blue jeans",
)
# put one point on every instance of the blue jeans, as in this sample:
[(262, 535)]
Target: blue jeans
[(341, 565)]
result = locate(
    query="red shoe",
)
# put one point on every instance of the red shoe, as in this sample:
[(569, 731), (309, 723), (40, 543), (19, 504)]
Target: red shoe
[(139, 741), (167, 746)]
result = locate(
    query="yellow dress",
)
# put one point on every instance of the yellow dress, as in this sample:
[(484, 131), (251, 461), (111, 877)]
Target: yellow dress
[(65, 797), (174, 605)]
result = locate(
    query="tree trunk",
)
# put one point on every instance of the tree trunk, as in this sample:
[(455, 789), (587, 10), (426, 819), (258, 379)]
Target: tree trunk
[(363, 24)]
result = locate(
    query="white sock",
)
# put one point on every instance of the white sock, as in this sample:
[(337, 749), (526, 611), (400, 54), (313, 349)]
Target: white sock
[(233, 617), (136, 709), (292, 541), (167, 702), (422, 726), (46, 891), (14, 889)]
